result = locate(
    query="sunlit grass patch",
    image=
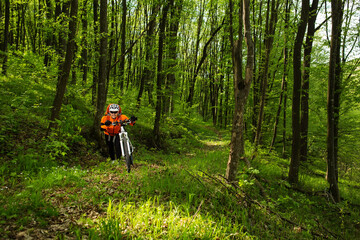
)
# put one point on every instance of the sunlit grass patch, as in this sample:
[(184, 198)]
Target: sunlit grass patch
[(215, 143), (152, 220), (58, 176)]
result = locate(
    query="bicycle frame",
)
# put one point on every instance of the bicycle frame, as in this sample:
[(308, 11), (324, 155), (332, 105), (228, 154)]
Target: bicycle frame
[(125, 142)]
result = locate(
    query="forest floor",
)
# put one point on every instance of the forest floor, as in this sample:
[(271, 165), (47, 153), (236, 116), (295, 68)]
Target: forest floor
[(75, 201), (68, 209), (72, 206)]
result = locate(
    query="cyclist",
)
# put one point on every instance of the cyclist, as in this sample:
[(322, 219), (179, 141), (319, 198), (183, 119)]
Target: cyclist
[(113, 114)]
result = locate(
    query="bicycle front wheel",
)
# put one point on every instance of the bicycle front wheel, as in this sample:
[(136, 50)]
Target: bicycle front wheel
[(127, 157)]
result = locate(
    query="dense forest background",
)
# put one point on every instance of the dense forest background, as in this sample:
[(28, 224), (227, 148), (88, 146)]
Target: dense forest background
[(267, 82)]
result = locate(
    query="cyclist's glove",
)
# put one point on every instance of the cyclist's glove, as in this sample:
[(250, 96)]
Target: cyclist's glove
[(107, 123), (133, 118)]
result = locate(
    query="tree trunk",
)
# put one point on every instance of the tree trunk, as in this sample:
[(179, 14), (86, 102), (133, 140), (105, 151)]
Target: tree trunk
[(284, 80), (295, 152), (305, 82), (173, 42), (84, 50), (65, 67), (48, 34), (101, 96), (198, 31), (339, 79), (111, 44), (32, 29), (214, 77), (227, 93), (285, 77), (160, 75), (95, 53), (20, 25), (268, 42), (241, 89), (257, 36), (123, 44), (202, 60), (56, 30), (220, 116), (336, 6), (6, 36), (64, 13), (148, 72)]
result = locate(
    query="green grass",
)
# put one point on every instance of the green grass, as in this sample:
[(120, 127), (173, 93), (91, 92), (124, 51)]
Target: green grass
[(152, 220)]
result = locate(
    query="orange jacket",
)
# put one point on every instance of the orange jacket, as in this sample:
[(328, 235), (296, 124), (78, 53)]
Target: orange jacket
[(112, 130)]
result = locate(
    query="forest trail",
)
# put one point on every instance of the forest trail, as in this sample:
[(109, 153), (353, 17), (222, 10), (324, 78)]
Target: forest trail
[(217, 143), (81, 206)]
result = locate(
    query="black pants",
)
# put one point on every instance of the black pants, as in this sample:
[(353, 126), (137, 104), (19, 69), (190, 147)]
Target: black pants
[(113, 143)]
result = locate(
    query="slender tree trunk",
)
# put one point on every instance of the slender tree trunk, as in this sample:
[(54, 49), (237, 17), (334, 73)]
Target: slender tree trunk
[(173, 42), (20, 25), (227, 93), (214, 93), (24, 35), (48, 34), (339, 79), (148, 72), (221, 112), (278, 112), (56, 19), (160, 75), (257, 36), (123, 44), (241, 88), (65, 67), (101, 96), (295, 152), (131, 71), (113, 67), (202, 60), (336, 6), (6, 36), (39, 32), (197, 44), (63, 15), (268, 42), (284, 79), (95, 53), (32, 26), (305, 82), (214, 77), (285, 76), (84, 43), (111, 44)]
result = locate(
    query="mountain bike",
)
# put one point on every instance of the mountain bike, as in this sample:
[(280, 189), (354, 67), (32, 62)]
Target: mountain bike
[(125, 144)]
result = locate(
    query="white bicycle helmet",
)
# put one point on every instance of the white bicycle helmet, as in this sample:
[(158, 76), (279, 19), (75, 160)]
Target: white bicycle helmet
[(114, 108)]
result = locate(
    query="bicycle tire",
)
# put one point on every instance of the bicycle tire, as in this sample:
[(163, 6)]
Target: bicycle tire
[(127, 157)]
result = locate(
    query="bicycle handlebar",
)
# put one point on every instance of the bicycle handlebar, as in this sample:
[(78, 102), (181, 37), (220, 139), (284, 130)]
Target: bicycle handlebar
[(122, 123)]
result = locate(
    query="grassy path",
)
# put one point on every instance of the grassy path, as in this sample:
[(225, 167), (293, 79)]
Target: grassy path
[(170, 196), (70, 203)]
